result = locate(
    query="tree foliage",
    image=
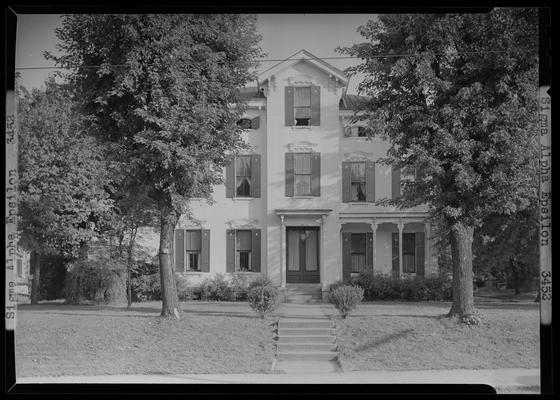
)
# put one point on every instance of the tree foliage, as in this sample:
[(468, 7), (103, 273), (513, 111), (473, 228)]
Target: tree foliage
[(164, 91), (456, 95)]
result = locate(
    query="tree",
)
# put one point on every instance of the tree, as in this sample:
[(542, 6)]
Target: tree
[(456, 95), (161, 88), (61, 176)]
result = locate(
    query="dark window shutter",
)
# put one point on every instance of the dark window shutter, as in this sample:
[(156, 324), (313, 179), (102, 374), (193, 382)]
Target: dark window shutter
[(289, 164), (395, 183), (289, 105), (346, 255), (315, 174), (179, 250), (369, 252), (395, 253), (370, 181), (256, 250), (230, 250), (346, 182), (256, 175), (315, 105), (255, 122), (205, 250), (230, 177), (419, 238)]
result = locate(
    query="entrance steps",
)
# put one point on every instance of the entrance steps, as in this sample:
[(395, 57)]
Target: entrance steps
[(302, 293)]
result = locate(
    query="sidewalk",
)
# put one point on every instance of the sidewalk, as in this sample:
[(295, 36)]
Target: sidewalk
[(508, 380)]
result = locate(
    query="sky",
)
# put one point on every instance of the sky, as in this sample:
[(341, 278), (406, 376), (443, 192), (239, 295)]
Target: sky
[(282, 36)]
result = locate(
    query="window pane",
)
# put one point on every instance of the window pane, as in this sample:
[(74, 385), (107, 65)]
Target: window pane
[(303, 163), (358, 262), (302, 96), (358, 244), (358, 192), (408, 243), (408, 263), (303, 112), (358, 171), (193, 240), (243, 166), (311, 263), (243, 262), (244, 123), (192, 261), (293, 250), (243, 240), (303, 185), (243, 187)]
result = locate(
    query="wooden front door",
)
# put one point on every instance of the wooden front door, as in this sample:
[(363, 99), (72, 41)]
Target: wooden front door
[(302, 255)]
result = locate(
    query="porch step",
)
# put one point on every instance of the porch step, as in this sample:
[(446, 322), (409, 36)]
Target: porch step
[(305, 347), (305, 331), (308, 356), (300, 339), (303, 293), (305, 323)]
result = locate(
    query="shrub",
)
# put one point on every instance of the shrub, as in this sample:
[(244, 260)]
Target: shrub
[(101, 280), (146, 287), (345, 298), (262, 296), (217, 289), (239, 286), (185, 291), (388, 287), (261, 280)]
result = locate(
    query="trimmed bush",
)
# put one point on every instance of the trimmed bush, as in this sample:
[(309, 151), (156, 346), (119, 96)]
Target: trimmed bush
[(388, 287), (345, 298), (217, 289), (263, 297), (101, 281)]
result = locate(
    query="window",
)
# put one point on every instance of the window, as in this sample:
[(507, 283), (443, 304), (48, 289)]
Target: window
[(244, 123), (302, 174), (358, 252), (192, 250), (409, 253), (355, 131), (302, 106), (243, 176), (358, 181), (243, 250)]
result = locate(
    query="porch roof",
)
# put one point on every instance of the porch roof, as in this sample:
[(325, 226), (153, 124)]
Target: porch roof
[(302, 211)]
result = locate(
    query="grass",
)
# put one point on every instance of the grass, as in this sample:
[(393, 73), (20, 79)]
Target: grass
[(418, 336), (55, 339)]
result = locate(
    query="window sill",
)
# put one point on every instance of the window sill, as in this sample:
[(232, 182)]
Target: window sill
[(193, 272), (296, 128), (358, 203), (245, 272), (243, 198), (305, 197)]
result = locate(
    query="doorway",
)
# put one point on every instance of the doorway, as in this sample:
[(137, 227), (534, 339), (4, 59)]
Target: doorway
[(302, 255)]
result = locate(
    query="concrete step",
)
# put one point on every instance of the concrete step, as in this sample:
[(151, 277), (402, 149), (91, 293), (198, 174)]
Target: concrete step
[(307, 356), (305, 323), (306, 339), (303, 347), (305, 331)]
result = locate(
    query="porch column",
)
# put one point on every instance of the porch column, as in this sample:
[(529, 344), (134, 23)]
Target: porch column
[(323, 267), (282, 251), (427, 250), (374, 238), (401, 227)]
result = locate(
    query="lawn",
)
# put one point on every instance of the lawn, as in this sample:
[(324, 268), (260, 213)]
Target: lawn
[(417, 336), (58, 339)]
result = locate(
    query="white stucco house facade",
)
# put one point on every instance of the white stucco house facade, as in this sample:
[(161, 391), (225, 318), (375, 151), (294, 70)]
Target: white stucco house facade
[(298, 207)]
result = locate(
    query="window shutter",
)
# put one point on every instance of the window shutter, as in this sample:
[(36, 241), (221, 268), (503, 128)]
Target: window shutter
[(346, 255), (230, 250), (230, 177), (315, 105), (369, 252), (289, 164), (205, 250), (346, 182), (395, 183), (370, 181), (179, 250), (255, 122), (419, 238), (289, 105), (395, 253), (256, 250), (256, 175), (315, 174)]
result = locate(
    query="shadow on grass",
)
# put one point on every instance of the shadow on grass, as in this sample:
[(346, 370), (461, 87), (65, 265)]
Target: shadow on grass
[(386, 339)]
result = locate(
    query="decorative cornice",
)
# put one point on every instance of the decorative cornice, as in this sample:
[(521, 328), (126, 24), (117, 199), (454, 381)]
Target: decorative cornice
[(192, 223), (243, 223), (302, 146), (358, 156)]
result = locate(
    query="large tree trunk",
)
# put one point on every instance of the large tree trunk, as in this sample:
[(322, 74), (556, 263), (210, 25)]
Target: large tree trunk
[(129, 267), (35, 261), (461, 239), (170, 306)]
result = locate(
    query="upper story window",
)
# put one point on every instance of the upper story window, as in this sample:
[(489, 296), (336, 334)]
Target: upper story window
[(355, 131), (303, 105), (303, 174), (247, 123), (243, 176), (399, 179), (358, 181)]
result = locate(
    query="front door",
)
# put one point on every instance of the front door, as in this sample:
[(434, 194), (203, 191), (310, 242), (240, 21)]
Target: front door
[(302, 258)]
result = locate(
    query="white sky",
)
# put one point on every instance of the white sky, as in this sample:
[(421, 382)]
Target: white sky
[(282, 36)]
